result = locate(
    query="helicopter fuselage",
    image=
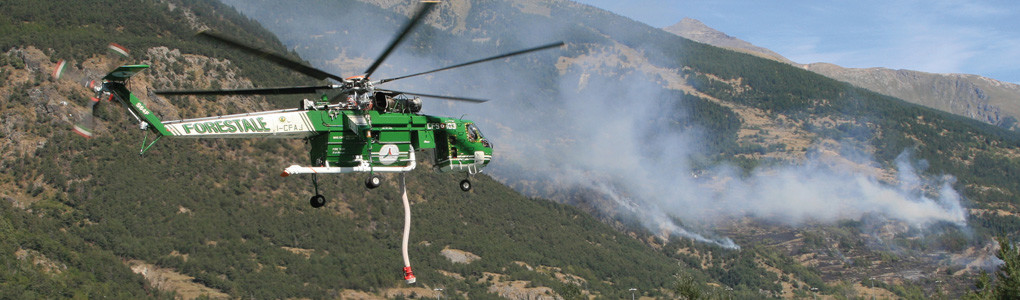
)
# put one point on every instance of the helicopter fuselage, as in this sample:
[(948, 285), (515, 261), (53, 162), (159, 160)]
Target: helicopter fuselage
[(378, 141), (345, 137)]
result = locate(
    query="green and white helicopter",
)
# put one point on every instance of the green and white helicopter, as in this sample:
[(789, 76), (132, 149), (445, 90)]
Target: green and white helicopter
[(361, 128)]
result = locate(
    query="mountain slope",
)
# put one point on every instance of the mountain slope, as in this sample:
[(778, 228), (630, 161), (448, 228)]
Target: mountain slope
[(649, 130), (216, 211), (972, 96), (984, 99)]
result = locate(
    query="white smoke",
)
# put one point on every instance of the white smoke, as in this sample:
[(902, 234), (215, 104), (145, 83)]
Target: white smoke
[(607, 151), (596, 139), (815, 192)]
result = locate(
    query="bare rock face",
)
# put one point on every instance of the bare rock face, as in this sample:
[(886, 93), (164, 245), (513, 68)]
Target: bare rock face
[(459, 256)]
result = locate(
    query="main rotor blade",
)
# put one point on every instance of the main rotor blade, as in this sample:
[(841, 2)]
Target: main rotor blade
[(474, 100), (426, 6), (255, 91), (543, 47), (273, 57)]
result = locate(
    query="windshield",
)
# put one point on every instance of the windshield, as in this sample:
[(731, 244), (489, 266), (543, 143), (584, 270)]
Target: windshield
[(472, 132)]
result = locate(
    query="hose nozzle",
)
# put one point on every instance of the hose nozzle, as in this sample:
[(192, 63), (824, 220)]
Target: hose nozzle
[(409, 275)]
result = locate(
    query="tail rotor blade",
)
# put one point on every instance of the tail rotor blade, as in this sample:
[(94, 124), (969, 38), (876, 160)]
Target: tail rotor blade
[(86, 127), (117, 55), (58, 70), (64, 71), (120, 50), (83, 130)]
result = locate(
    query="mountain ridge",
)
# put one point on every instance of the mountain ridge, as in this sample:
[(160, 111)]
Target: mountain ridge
[(973, 96)]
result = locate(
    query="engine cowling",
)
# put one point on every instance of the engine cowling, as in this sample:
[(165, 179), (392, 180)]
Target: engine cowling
[(396, 103)]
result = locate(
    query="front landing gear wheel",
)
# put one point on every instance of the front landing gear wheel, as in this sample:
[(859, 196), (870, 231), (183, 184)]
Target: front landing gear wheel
[(317, 201), (373, 181), (465, 185)]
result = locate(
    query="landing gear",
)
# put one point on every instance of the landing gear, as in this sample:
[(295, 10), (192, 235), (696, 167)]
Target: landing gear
[(318, 200), (465, 185), (373, 181)]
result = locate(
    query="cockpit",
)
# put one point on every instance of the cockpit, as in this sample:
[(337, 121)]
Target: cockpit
[(475, 136)]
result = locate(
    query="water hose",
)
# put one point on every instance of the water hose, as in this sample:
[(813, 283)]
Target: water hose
[(408, 274)]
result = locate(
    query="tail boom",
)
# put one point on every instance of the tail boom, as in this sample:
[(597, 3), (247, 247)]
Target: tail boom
[(286, 123)]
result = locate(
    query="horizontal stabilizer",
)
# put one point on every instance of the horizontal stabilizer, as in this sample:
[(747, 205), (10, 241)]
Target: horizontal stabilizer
[(122, 73)]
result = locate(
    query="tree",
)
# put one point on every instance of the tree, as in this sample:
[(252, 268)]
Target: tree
[(1008, 275), (1007, 283), (571, 291), (687, 287), (982, 287)]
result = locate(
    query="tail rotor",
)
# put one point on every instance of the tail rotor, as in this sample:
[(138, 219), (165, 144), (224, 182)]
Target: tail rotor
[(63, 71)]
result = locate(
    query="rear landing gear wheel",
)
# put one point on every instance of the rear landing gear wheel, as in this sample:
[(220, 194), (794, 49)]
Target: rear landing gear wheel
[(373, 181), (317, 201), (465, 185)]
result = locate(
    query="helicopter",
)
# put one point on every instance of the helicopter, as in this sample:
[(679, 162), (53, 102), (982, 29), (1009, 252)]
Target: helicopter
[(361, 128)]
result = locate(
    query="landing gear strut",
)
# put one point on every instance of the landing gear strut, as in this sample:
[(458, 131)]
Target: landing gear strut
[(318, 200), (373, 181)]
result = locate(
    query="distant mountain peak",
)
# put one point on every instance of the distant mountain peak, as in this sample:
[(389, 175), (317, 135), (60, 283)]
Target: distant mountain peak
[(697, 31)]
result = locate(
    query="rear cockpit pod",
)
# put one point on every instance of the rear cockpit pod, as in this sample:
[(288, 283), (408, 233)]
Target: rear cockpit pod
[(461, 147)]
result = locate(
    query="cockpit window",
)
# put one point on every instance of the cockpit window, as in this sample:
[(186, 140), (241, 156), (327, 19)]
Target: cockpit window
[(472, 132)]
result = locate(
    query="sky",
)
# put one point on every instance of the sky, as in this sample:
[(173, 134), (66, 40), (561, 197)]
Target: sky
[(939, 36)]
